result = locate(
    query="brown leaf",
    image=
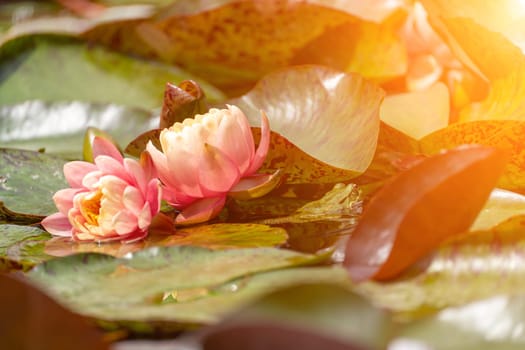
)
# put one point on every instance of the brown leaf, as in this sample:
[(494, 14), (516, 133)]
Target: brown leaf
[(181, 102), (32, 320), (420, 208)]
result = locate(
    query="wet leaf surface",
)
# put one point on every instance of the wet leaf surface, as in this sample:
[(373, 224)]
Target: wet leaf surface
[(62, 125), (62, 69), (21, 247), (494, 323), (223, 236), (213, 236), (31, 176), (141, 286), (312, 224)]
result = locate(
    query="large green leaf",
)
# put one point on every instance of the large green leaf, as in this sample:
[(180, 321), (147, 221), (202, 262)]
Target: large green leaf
[(327, 315), (495, 323), (59, 127), (62, 69), (182, 285), (28, 181), (21, 247)]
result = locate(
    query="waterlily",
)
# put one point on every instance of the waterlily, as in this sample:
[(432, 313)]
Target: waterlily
[(206, 158), (114, 198)]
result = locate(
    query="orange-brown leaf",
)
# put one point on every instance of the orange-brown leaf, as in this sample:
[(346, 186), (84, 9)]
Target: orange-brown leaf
[(420, 208)]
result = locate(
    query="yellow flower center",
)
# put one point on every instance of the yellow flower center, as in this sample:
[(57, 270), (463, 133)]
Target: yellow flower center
[(90, 207)]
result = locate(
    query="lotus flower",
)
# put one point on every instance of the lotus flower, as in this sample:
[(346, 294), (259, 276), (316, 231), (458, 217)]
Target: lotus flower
[(206, 158), (112, 199)]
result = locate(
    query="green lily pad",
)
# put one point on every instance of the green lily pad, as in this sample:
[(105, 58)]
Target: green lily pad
[(223, 236), (494, 323), (328, 314), (214, 236), (63, 69), (182, 285), (62, 125), (22, 247), (28, 181)]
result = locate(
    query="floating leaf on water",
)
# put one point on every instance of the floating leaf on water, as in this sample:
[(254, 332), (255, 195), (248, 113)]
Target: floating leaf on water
[(129, 288), (63, 125), (28, 181), (342, 203), (64, 69), (309, 316), (331, 116), (21, 247), (224, 236)]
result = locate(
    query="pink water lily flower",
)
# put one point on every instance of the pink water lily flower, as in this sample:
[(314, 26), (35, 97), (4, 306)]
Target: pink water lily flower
[(203, 159), (112, 199)]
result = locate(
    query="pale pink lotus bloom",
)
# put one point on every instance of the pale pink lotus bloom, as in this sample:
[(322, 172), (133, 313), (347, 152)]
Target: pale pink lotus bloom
[(203, 159), (112, 199)]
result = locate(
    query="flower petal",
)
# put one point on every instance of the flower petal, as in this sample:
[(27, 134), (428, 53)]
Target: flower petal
[(148, 166), (182, 163), (264, 145), (217, 172), (64, 199), (75, 171), (57, 224), (102, 146), (133, 200), (255, 186), (125, 222), (111, 166), (154, 196), (90, 181), (134, 169), (234, 138), (144, 217), (134, 237), (161, 164), (201, 210), (175, 198)]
